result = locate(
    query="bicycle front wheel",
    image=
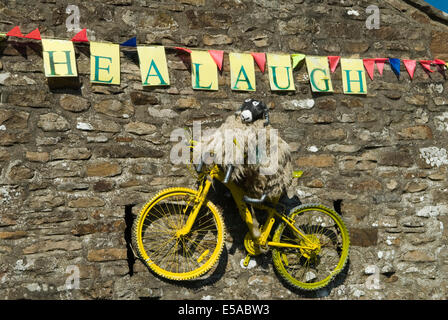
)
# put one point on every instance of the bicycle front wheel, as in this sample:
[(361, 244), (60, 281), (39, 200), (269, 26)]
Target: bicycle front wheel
[(314, 261), (155, 235)]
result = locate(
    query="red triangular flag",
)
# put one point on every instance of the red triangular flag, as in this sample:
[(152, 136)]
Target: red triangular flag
[(260, 60), (218, 56), (369, 64), (333, 60), (81, 36), (380, 64), (35, 34), (440, 65), (426, 64), (15, 32), (410, 66), (183, 49), (438, 61)]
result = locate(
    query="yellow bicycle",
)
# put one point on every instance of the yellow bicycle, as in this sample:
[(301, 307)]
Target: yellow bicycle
[(179, 234)]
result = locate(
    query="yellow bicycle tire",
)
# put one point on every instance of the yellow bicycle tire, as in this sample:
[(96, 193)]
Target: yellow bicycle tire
[(149, 209), (280, 261)]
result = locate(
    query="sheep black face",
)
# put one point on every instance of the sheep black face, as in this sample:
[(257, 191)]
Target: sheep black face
[(252, 110)]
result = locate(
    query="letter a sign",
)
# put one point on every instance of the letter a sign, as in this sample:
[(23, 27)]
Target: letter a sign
[(153, 66)]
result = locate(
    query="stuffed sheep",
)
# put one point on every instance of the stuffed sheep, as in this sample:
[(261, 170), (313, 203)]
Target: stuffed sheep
[(261, 159)]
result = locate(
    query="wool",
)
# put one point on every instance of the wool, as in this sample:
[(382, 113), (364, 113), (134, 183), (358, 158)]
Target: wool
[(250, 174)]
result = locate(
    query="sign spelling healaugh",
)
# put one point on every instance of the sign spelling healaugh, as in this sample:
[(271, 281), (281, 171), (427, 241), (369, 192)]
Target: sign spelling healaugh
[(60, 61)]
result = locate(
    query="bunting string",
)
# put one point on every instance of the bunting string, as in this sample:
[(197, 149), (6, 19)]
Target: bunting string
[(60, 61)]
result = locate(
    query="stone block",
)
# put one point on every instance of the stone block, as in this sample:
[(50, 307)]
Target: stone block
[(74, 103), (86, 202), (51, 245), (318, 161), (70, 153), (140, 128), (109, 254), (12, 119), (366, 237), (114, 108), (7, 235), (37, 156), (103, 169), (418, 256), (53, 122), (420, 132)]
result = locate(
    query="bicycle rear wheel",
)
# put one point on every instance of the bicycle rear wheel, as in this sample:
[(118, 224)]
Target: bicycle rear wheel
[(174, 257), (315, 262)]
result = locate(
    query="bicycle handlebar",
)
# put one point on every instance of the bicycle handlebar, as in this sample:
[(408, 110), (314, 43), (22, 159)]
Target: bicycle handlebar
[(253, 200), (200, 165), (228, 173)]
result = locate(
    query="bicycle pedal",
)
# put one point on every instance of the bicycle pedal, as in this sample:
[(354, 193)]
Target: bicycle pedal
[(247, 260)]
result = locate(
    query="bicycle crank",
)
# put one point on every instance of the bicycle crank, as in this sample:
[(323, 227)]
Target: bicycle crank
[(252, 248)]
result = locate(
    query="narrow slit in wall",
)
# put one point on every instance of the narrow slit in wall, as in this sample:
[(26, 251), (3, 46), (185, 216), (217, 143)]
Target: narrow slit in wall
[(129, 220)]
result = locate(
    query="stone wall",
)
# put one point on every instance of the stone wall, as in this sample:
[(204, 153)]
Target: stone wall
[(78, 161)]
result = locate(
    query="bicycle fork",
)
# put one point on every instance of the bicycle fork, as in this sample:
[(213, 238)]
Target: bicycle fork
[(199, 201)]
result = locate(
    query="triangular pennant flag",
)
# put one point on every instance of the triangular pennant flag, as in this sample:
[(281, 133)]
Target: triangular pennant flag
[(410, 66), (296, 58), (380, 64), (440, 66), (426, 64), (81, 36), (15, 32), (130, 43), (369, 64), (395, 65), (333, 61), (183, 49), (218, 57), (35, 34), (439, 62), (260, 60)]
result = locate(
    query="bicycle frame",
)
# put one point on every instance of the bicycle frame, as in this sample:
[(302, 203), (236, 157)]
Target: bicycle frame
[(238, 193)]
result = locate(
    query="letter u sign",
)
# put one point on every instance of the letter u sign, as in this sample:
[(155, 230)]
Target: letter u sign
[(280, 72)]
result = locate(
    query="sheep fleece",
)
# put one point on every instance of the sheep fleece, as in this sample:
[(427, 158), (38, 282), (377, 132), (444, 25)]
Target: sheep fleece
[(248, 176)]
